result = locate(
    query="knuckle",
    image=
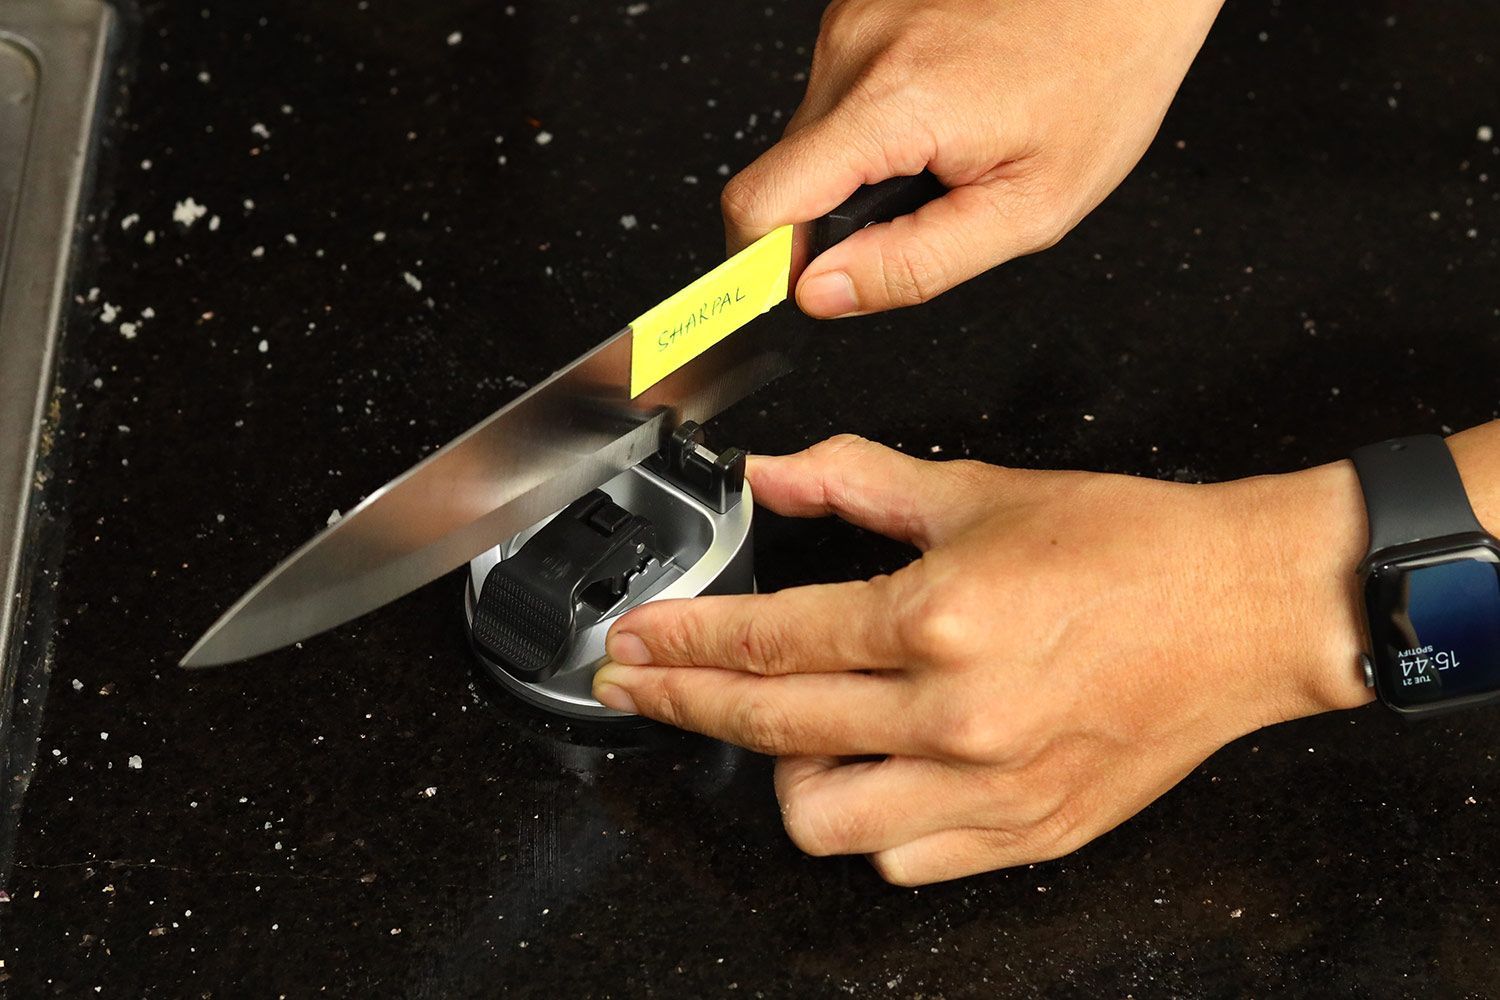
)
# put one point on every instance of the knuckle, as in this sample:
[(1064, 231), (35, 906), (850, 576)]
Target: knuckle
[(666, 702), (671, 637), (818, 830), (910, 273), (1049, 230), (741, 202), (939, 630), (842, 24), (831, 448), (761, 648), (1060, 830), (892, 869), (974, 736), (1045, 217), (763, 727)]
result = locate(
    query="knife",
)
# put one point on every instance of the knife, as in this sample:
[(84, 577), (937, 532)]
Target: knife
[(600, 415)]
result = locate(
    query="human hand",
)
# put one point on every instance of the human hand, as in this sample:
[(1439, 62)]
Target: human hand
[(1030, 111), (1067, 647)]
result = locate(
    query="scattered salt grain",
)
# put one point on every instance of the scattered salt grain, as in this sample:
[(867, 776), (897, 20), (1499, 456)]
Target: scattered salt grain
[(335, 517), (263, 346), (412, 280), (77, 684), (379, 237), (213, 224), (129, 221), (128, 330), (1484, 133), (109, 313), (456, 38), (542, 138), (429, 791), (260, 130), (188, 212), (637, 9), (134, 763), (104, 736), (628, 222)]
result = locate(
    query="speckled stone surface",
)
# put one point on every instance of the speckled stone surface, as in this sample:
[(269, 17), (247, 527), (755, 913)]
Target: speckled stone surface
[(1307, 259)]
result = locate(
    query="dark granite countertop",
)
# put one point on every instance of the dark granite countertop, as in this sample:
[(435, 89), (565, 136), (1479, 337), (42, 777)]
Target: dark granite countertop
[(1307, 259)]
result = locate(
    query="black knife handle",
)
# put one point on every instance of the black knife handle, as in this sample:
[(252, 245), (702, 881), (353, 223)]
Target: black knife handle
[(874, 203)]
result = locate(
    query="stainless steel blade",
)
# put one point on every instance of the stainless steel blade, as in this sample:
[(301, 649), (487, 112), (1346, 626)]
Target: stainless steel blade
[(568, 435)]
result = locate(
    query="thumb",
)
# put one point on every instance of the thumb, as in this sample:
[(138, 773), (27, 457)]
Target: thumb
[(919, 256), (868, 485), (812, 171)]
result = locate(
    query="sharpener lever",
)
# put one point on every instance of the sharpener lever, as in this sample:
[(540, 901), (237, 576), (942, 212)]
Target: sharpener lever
[(570, 574)]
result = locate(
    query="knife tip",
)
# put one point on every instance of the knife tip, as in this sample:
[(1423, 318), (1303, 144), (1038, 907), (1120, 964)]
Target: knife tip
[(196, 657)]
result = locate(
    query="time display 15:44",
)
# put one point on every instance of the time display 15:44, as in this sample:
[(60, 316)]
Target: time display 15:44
[(1421, 666)]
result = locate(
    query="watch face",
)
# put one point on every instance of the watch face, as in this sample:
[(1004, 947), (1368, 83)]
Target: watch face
[(1435, 625)]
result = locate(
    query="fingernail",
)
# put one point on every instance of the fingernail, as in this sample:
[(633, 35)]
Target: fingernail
[(624, 647), (829, 294), (612, 695)]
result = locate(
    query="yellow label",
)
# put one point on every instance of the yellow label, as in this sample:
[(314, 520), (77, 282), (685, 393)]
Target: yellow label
[(669, 335)]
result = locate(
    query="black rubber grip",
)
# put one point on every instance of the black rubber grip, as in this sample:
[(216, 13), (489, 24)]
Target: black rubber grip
[(1413, 492), (519, 627), (874, 203)]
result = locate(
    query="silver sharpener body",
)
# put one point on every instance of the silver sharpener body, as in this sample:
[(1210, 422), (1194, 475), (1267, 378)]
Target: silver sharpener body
[(539, 605)]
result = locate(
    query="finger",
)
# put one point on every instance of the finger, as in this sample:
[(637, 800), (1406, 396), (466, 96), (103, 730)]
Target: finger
[(917, 257), (833, 714), (868, 485), (814, 169), (951, 854), (814, 629), (868, 806)]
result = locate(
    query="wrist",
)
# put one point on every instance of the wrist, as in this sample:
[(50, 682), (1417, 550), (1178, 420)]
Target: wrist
[(1314, 533)]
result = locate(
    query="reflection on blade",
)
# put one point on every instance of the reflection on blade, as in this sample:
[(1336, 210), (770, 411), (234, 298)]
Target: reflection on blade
[(568, 435)]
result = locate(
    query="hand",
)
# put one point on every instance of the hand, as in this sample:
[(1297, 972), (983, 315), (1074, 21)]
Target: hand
[(1067, 647), (1031, 111)]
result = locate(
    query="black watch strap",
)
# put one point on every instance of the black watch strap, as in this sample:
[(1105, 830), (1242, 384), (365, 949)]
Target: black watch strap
[(1412, 491)]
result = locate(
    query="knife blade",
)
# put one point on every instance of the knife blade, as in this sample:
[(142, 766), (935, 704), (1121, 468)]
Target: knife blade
[(600, 415)]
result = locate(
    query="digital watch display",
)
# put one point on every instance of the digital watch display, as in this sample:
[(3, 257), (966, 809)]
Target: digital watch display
[(1435, 628), (1431, 581)]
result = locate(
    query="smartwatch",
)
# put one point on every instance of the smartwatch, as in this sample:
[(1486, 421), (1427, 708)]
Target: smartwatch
[(1431, 582)]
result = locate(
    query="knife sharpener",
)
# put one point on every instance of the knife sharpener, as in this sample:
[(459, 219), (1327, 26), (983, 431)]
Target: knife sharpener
[(540, 604)]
